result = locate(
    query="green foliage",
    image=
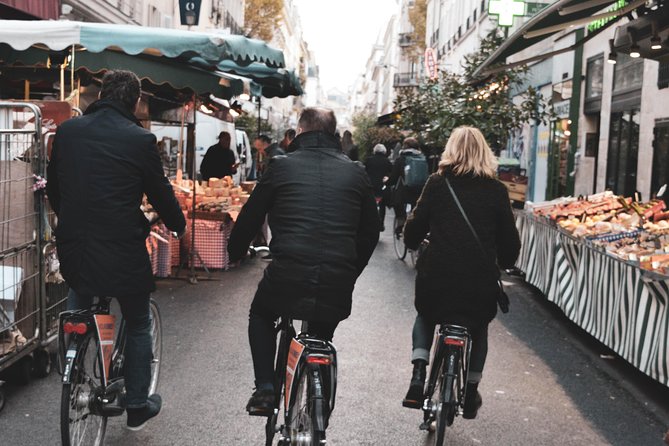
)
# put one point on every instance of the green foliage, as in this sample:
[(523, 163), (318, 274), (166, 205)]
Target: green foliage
[(262, 17), (435, 108), (249, 123), (367, 134)]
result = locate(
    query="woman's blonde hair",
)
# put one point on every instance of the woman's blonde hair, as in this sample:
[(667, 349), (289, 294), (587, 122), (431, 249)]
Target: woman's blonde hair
[(468, 152)]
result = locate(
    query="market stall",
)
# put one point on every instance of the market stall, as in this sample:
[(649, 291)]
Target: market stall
[(605, 262)]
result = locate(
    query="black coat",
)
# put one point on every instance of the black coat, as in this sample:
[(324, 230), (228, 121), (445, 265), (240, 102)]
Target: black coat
[(324, 226), (377, 167), (218, 162), (453, 279), (101, 165), (404, 193)]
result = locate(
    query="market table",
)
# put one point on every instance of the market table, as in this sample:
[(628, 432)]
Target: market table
[(622, 305)]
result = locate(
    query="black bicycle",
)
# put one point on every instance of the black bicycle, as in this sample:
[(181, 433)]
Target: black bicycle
[(305, 384), (445, 388), (91, 351)]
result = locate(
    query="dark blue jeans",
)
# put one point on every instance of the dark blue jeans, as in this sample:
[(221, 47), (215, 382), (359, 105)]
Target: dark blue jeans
[(138, 353)]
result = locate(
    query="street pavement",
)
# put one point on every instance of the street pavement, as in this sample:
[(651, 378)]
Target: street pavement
[(545, 381)]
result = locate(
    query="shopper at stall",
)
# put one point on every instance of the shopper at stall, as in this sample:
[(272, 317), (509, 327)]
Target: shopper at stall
[(267, 151), (378, 167), (219, 161), (456, 283), (325, 226), (101, 165)]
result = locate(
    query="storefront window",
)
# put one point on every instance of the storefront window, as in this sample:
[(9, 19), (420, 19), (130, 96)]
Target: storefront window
[(628, 74), (594, 76), (660, 156), (623, 154), (559, 156)]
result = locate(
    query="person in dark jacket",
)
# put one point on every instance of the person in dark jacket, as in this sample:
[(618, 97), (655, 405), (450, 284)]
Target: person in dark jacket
[(350, 149), (403, 194), (219, 161), (267, 151), (454, 283), (378, 167), (101, 165), (288, 137), (324, 229)]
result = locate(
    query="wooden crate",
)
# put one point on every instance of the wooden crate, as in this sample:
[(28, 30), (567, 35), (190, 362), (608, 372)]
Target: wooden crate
[(517, 192)]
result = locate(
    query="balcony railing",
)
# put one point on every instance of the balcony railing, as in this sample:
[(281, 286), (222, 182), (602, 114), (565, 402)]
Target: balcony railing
[(406, 80), (405, 39)]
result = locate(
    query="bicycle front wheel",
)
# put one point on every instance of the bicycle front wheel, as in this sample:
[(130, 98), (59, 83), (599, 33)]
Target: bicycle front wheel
[(302, 415), (80, 423), (398, 241), (156, 345)]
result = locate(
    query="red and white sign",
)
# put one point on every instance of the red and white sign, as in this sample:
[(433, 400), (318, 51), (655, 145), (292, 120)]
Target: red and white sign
[(431, 63), (105, 326), (294, 354)]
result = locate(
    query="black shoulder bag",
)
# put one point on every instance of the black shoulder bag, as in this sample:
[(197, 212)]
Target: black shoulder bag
[(502, 298)]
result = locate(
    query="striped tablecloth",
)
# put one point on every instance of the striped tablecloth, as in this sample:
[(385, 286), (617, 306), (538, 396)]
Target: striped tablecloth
[(620, 304)]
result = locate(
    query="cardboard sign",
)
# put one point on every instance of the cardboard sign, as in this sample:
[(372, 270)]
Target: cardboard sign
[(105, 326), (294, 354)]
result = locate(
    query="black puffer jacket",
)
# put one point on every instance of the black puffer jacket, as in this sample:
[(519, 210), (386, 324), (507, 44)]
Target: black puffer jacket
[(453, 278), (377, 167), (324, 226), (101, 165)]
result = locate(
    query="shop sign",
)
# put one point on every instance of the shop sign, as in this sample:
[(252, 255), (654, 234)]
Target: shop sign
[(430, 63), (561, 109), (598, 24), (190, 12), (506, 10)]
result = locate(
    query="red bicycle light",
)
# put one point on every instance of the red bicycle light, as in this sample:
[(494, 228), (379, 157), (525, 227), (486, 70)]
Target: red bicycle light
[(454, 341), (320, 360), (78, 328)]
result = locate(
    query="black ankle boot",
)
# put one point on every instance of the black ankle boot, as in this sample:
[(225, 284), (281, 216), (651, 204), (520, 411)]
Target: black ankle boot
[(414, 397), (473, 401)]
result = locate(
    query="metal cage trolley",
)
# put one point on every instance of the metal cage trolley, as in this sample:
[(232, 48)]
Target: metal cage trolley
[(28, 316)]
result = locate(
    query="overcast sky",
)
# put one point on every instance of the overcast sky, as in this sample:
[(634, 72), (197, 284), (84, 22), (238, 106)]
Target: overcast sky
[(341, 33)]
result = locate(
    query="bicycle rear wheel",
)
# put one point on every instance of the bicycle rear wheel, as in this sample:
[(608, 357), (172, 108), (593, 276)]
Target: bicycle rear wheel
[(398, 241), (446, 394), (301, 417), (79, 422), (156, 345)]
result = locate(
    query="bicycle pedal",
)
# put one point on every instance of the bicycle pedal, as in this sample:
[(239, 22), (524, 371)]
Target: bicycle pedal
[(424, 426)]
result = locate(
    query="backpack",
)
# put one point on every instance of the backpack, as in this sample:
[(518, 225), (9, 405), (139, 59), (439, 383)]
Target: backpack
[(415, 170)]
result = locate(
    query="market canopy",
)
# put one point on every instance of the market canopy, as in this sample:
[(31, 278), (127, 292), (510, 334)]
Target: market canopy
[(133, 40), (561, 15), (160, 71), (275, 82)]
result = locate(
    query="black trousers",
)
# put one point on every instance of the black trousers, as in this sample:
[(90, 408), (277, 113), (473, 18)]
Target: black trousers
[(262, 338)]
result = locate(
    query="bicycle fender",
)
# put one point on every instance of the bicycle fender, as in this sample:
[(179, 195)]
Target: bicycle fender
[(320, 414)]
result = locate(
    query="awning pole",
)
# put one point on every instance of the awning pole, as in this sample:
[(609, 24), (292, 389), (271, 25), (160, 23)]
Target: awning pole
[(26, 90), (62, 82), (180, 171), (72, 72)]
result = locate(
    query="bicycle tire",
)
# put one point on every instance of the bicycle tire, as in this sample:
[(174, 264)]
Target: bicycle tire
[(77, 395), (156, 345), (301, 425), (398, 241), (447, 397)]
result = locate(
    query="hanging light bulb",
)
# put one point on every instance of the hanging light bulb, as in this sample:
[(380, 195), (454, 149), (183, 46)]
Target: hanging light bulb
[(635, 51)]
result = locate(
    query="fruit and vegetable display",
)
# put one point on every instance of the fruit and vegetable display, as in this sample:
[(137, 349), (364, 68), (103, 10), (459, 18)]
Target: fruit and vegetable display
[(631, 230), (216, 196)]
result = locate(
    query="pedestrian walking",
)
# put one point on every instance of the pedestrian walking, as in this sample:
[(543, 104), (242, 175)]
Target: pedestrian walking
[(453, 283), (324, 226), (288, 137), (350, 149), (378, 167)]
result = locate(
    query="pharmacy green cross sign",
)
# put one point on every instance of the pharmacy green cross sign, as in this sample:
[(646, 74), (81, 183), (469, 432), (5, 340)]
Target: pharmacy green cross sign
[(506, 10)]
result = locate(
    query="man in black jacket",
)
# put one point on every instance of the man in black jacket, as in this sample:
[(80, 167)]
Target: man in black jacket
[(101, 165), (378, 167), (404, 194), (267, 151), (219, 161), (324, 229)]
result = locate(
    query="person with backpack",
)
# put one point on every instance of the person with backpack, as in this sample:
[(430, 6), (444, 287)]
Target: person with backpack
[(407, 178)]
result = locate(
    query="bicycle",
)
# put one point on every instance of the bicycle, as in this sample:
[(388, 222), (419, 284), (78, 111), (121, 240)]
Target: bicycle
[(401, 249), (445, 388), (92, 369), (306, 384)]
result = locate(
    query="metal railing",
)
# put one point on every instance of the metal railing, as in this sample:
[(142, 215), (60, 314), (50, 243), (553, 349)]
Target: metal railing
[(406, 80)]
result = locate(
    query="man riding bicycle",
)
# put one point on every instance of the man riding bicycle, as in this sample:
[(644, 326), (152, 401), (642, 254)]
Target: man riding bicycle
[(101, 165), (407, 190), (324, 226)]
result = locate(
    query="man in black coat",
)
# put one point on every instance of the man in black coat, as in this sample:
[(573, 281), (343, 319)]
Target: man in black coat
[(378, 167), (324, 226), (404, 194), (101, 165), (267, 151), (219, 161)]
